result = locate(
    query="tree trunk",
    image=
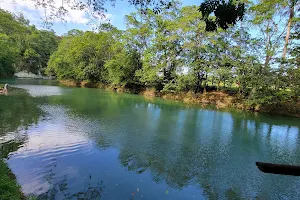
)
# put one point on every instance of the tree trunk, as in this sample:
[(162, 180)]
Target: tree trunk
[(267, 61), (198, 83), (204, 89), (268, 46), (288, 32)]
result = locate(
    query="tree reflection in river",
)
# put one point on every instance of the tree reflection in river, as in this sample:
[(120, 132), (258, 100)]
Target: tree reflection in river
[(18, 110), (212, 150), (169, 150), (59, 190)]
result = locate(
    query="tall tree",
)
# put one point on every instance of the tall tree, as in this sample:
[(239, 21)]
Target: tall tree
[(291, 6), (268, 17), (226, 12), (8, 54)]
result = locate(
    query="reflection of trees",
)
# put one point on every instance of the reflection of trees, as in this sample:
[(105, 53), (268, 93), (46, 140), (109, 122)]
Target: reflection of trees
[(17, 110), (60, 190), (9, 146), (216, 151), (98, 104), (222, 166)]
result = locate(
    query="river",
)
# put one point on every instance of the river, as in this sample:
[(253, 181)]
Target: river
[(80, 143)]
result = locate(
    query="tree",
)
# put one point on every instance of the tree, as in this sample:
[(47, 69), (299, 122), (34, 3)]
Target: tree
[(226, 12), (290, 6), (36, 51), (293, 72), (173, 52), (8, 55), (274, 11), (82, 57), (122, 66), (194, 38), (32, 47)]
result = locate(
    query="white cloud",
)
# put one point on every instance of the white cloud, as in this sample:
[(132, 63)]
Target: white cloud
[(37, 15)]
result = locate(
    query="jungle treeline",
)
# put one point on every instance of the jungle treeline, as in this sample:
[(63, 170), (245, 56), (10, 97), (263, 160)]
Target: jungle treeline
[(171, 52)]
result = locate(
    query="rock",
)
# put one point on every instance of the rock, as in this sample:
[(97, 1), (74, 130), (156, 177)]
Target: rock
[(25, 74)]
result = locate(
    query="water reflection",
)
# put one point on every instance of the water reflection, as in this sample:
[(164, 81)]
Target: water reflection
[(94, 144), (18, 111)]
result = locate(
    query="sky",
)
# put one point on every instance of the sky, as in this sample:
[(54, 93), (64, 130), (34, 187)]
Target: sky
[(75, 19)]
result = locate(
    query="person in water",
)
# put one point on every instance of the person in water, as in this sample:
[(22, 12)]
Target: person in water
[(5, 87), (4, 90)]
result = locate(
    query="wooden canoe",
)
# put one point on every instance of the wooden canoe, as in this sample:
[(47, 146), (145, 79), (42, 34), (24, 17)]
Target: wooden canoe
[(293, 170)]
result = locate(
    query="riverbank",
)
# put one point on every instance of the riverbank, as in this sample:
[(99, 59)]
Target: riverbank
[(221, 100), (9, 187)]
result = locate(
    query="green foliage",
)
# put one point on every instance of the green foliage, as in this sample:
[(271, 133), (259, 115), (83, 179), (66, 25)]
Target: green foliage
[(171, 51), (23, 47), (9, 188), (8, 54), (149, 74), (226, 13), (122, 67), (294, 82), (82, 57), (39, 45)]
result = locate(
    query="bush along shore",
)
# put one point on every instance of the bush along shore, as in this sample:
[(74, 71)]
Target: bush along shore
[(223, 99), (173, 52), (171, 55)]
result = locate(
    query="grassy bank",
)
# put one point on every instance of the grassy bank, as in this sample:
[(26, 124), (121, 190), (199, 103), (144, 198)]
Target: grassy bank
[(223, 99), (226, 101), (9, 188)]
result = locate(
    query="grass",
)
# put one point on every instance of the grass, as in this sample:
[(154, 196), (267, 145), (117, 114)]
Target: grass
[(9, 188)]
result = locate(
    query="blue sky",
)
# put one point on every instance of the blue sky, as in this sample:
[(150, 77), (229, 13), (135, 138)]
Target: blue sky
[(75, 19)]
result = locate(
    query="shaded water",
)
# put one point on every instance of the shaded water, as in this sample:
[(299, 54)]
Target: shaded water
[(72, 143)]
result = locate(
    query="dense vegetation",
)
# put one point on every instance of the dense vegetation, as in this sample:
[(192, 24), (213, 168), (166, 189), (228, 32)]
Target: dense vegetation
[(172, 52), (22, 46)]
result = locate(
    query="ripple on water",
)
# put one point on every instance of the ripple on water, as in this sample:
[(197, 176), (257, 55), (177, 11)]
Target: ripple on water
[(50, 145), (166, 153)]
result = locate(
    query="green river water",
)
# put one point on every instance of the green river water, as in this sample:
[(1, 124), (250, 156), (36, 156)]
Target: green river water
[(79, 143)]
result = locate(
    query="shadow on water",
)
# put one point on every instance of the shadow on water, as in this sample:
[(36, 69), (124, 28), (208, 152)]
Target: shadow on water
[(93, 144)]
